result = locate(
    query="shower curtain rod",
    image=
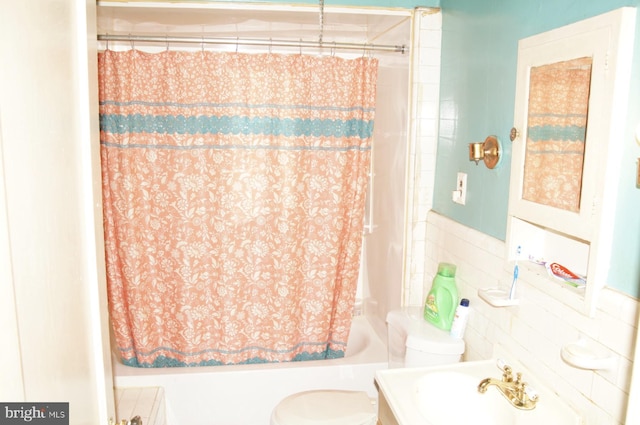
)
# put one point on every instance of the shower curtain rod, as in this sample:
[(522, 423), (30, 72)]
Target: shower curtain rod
[(364, 47)]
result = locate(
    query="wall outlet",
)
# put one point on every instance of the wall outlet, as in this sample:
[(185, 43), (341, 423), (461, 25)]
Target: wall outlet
[(459, 196)]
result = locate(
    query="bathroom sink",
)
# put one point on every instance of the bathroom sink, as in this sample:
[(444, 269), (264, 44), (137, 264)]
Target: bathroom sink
[(475, 408), (448, 395)]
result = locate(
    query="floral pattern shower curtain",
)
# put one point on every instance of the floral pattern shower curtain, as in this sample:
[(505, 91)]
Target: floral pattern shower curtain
[(234, 190)]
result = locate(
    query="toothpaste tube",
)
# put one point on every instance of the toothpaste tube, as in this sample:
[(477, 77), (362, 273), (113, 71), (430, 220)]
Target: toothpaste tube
[(562, 273)]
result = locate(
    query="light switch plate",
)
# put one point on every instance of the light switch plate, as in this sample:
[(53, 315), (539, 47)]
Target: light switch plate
[(459, 196)]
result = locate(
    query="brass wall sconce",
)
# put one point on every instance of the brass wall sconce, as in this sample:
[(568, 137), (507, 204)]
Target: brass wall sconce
[(487, 151)]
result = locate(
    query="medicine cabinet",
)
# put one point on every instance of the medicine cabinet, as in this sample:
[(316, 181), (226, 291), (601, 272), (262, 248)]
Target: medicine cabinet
[(570, 113)]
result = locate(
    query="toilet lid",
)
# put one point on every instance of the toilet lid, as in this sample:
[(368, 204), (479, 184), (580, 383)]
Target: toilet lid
[(326, 407)]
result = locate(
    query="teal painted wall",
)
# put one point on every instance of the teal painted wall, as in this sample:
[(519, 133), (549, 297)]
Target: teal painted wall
[(479, 56)]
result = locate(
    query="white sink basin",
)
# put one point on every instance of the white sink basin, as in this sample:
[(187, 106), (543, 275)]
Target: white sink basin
[(448, 395), (476, 408)]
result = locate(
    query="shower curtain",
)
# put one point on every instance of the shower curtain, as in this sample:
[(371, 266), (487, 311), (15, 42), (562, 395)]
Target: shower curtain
[(234, 190)]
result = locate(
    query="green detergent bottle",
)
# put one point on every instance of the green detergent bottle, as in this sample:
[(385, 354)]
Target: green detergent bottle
[(442, 300)]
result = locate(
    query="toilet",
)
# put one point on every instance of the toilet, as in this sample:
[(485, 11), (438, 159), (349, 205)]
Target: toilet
[(326, 407), (412, 342)]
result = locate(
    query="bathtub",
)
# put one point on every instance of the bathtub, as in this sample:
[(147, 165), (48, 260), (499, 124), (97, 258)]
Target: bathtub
[(246, 394)]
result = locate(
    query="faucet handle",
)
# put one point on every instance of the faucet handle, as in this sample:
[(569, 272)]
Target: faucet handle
[(531, 393), (501, 364), (506, 374), (506, 370)]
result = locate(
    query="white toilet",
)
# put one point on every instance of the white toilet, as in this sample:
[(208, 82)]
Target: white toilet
[(412, 342)]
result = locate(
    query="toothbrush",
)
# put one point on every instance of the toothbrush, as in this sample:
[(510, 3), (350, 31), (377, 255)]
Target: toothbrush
[(512, 292)]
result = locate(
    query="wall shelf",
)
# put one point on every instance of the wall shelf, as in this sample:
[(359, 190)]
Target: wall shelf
[(497, 297)]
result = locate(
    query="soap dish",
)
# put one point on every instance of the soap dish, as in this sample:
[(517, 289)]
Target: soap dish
[(497, 297), (584, 354)]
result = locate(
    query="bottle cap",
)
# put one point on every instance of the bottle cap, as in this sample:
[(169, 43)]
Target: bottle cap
[(464, 302), (447, 269)]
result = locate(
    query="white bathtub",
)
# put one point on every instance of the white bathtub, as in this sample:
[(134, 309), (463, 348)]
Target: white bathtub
[(246, 394)]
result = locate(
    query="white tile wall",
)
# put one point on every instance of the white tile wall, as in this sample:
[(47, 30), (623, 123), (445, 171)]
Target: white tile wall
[(147, 402), (537, 329), (422, 152)]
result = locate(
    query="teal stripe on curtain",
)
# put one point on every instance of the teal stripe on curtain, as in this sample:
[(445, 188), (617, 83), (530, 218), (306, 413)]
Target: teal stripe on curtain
[(238, 147), (289, 127), (571, 133)]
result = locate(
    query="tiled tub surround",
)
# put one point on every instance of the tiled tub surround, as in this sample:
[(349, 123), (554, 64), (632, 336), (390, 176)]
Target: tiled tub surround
[(536, 330), (425, 81), (146, 402)]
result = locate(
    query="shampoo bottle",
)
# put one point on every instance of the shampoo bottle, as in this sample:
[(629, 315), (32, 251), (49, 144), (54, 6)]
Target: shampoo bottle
[(442, 300), (460, 319)]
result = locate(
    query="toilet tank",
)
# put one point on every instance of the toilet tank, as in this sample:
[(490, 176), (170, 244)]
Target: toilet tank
[(414, 342)]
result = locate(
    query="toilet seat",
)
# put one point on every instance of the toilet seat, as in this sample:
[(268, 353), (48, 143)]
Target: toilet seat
[(325, 407)]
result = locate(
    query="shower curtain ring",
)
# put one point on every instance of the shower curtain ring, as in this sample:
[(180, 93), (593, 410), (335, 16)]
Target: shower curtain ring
[(166, 39), (133, 47), (237, 42), (333, 49), (202, 44), (270, 44), (300, 46)]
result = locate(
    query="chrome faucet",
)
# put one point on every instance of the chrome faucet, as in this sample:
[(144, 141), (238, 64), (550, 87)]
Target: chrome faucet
[(516, 391)]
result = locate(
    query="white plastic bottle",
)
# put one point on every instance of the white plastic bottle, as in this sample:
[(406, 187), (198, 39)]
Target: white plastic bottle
[(460, 319)]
